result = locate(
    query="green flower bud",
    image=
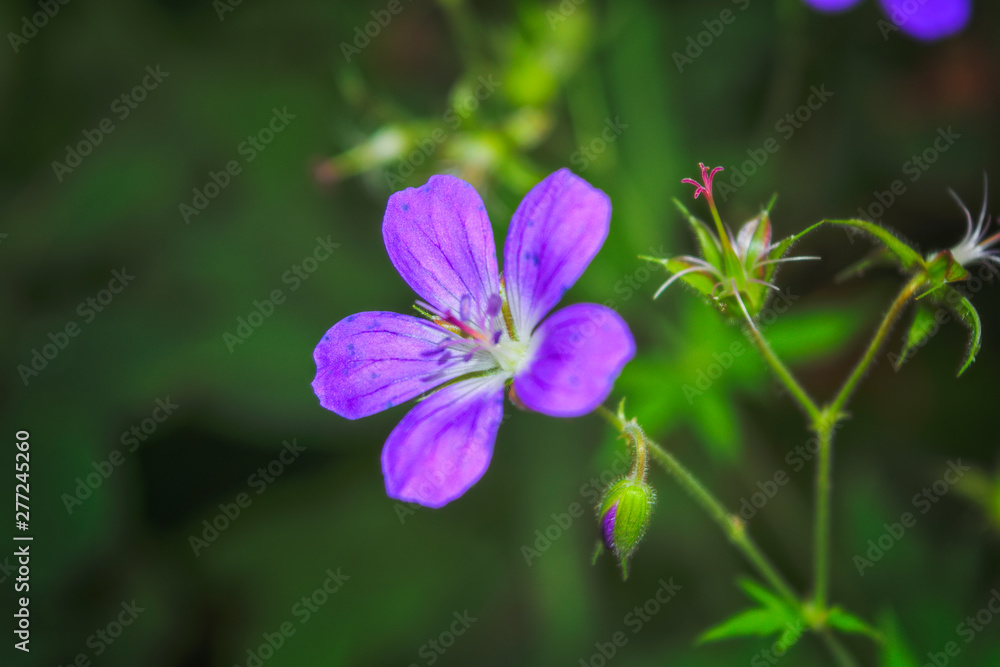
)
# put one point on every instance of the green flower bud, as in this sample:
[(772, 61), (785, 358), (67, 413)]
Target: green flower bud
[(624, 515)]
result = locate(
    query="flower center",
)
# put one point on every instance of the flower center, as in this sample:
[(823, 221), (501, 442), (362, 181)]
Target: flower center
[(486, 342), (510, 355)]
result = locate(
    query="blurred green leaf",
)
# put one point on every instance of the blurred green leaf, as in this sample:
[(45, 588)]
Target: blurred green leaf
[(907, 256), (759, 622), (895, 651), (920, 330), (847, 622), (966, 312), (775, 617)]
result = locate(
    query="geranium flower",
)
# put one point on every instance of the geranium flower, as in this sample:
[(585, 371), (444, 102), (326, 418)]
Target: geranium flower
[(924, 19), (480, 333)]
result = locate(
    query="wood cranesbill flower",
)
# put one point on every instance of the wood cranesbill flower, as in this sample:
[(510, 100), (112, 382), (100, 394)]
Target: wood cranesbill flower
[(480, 332)]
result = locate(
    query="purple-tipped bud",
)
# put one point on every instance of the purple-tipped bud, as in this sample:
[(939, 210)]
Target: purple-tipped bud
[(608, 527), (624, 515)]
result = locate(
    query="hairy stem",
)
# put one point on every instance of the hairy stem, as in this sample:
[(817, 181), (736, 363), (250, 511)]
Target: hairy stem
[(731, 525), (824, 425), (837, 404), (782, 372)]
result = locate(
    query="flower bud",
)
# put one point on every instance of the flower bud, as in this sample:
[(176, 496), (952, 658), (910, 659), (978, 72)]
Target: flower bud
[(624, 515)]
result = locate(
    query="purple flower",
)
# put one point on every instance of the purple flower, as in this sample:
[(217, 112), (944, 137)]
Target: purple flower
[(481, 332), (924, 19), (928, 19), (832, 5)]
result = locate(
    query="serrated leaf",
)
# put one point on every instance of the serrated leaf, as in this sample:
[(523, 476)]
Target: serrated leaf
[(847, 622), (907, 256), (966, 312), (758, 622), (924, 323)]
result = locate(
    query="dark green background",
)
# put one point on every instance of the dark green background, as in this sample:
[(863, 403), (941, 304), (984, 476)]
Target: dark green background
[(409, 572)]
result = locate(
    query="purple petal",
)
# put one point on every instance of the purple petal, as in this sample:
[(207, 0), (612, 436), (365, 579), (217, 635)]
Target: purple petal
[(831, 5), (578, 353), (444, 444), (372, 361), (929, 19), (608, 527), (439, 238), (555, 232)]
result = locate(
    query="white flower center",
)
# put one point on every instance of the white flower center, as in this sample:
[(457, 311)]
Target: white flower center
[(511, 355)]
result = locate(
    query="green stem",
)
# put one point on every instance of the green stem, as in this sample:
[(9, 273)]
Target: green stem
[(786, 377), (821, 536), (877, 340), (731, 525), (839, 651), (825, 423)]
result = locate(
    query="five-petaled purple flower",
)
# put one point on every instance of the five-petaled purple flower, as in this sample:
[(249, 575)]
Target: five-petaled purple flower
[(481, 332)]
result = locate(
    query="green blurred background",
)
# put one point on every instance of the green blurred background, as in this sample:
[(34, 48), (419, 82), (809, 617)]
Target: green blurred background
[(551, 79)]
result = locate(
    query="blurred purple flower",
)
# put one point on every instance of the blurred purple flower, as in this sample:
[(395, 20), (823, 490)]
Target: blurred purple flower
[(928, 19), (832, 5), (924, 19), (481, 332)]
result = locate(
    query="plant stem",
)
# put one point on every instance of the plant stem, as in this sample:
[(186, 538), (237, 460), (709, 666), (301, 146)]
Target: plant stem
[(821, 536), (731, 525), (825, 424), (839, 651), (837, 405), (786, 377)]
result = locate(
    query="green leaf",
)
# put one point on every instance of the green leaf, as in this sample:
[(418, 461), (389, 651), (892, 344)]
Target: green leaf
[(700, 280), (706, 239), (847, 622), (774, 617), (805, 335), (758, 622), (895, 650), (907, 256), (924, 324), (967, 313), (762, 595)]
